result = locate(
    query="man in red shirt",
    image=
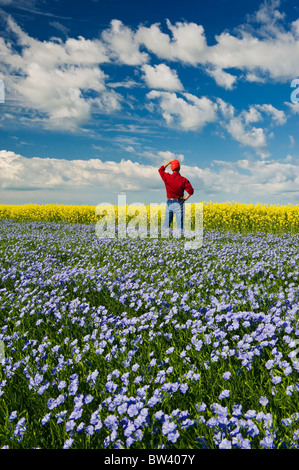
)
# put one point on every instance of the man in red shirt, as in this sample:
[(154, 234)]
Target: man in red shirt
[(175, 186)]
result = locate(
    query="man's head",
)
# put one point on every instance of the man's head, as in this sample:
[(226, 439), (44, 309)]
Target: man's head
[(175, 165)]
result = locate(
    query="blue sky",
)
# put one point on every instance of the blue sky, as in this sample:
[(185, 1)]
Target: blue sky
[(99, 94)]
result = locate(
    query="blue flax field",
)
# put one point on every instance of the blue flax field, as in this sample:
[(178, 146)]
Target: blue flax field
[(141, 344)]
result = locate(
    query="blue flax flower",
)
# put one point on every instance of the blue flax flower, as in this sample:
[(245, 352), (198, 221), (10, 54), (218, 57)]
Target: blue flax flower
[(129, 429), (61, 384), (173, 436), (70, 425), (250, 414), (224, 394), (111, 422), (241, 443), (168, 427), (225, 444), (80, 427), (61, 416), (267, 442), (12, 416), (68, 443), (21, 428), (226, 375), (45, 419), (237, 410), (89, 430), (187, 423), (264, 401), (201, 406), (88, 399)]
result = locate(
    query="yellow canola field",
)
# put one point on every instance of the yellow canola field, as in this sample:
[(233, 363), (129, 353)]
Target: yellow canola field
[(233, 216)]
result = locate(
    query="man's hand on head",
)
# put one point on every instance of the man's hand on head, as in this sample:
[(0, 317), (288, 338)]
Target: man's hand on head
[(169, 162)]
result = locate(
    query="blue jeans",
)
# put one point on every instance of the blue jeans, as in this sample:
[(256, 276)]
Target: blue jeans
[(174, 207)]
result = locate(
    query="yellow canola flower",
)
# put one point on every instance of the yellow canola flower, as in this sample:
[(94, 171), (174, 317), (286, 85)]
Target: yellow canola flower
[(233, 216)]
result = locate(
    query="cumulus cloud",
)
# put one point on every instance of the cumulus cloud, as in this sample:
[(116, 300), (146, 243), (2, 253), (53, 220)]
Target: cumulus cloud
[(65, 83), (121, 44), (190, 113), (269, 181), (161, 77), (239, 125), (253, 137), (187, 113), (254, 114), (266, 52), (268, 16), (18, 172), (187, 44), (61, 81), (222, 78), (294, 107)]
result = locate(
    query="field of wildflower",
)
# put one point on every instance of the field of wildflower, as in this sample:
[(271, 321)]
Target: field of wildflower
[(140, 344)]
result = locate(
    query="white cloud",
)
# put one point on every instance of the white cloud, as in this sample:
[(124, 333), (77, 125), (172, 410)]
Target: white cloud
[(268, 182), (294, 107), (253, 137), (252, 77), (268, 52), (186, 45), (226, 109), (278, 116), (252, 115), (239, 126), (18, 172), (79, 182), (295, 28), (191, 113), (63, 86), (128, 83), (60, 27), (161, 77), (121, 44), (222, 78), (292, 141), (22, 173), (268, 17), (56, 78)]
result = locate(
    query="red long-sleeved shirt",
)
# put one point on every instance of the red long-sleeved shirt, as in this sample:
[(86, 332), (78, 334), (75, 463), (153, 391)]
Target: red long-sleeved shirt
[(175, 184)]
